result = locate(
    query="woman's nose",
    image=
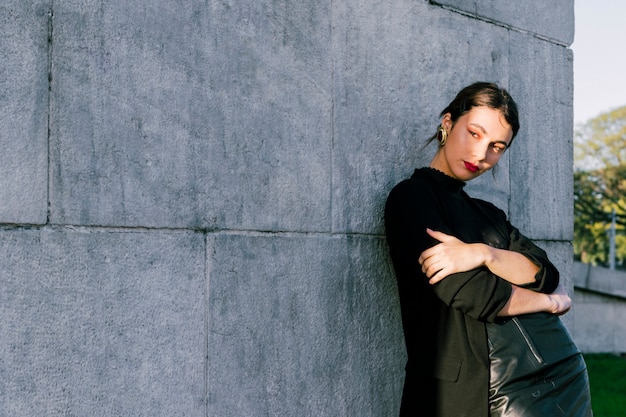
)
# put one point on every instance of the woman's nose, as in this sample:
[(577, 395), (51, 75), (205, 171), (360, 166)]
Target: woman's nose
[(480, 151)]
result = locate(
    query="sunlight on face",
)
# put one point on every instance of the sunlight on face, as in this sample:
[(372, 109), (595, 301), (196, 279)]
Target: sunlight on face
[(475, 143)]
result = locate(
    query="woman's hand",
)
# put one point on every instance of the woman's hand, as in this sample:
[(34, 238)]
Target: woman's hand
[(524, 301), (450, 256), (561, 301)]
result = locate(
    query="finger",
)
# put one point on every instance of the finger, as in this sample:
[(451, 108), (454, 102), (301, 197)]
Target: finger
[(431, 267), (440, 236), (438, 276), (427, 254)]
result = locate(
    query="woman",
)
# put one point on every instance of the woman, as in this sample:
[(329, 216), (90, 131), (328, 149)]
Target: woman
[(479, 300)]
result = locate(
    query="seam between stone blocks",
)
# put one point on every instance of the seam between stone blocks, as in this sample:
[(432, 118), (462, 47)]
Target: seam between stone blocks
[(49, 105), (498, 23), (186, 230)]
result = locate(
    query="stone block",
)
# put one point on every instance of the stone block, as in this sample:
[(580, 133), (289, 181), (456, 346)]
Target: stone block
[(553, 20), (541, 158), (302, 325), (398, 66), (24, 108), (97, 323), (204, 115)]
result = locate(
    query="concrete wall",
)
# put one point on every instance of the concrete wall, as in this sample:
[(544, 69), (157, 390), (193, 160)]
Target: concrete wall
[(192, 192), (599, 309)]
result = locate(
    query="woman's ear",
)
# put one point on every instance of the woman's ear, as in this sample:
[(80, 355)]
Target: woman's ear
[(446, 121)]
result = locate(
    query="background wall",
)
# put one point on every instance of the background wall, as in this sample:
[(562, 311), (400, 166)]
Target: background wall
[(600, 300), (192, 192)]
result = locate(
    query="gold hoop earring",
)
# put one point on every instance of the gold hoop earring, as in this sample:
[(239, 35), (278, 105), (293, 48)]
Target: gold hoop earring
[(442, 135)]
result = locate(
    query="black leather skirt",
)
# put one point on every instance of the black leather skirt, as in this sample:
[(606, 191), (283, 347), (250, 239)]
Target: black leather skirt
[(536, 369)]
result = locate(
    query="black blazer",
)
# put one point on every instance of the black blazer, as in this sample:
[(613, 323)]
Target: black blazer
[(447, 372)]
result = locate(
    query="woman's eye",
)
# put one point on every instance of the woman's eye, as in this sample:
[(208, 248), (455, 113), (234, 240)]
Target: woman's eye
[(474, 134), (498, 148)]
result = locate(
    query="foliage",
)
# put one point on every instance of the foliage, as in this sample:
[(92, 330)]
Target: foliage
[(607, 378), (600, 141), (600, 187)]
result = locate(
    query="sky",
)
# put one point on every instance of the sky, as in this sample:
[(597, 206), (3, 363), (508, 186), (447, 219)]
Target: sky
[(599, 58)]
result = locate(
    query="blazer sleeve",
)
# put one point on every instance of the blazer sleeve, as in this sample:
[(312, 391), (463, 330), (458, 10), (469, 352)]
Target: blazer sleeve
[(411, 207), (547, 278)]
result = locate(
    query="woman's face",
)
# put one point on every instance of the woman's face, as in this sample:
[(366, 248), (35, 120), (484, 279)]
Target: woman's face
[(475, 143)]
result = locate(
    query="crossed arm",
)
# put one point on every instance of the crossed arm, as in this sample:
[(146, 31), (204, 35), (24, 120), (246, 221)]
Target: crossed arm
[(452, 255)]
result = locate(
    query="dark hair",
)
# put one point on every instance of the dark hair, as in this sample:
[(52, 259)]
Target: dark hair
[(484, 94)]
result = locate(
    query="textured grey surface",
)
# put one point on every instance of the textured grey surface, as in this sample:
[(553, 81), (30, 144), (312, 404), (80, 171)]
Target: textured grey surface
[(600, 308), (393, 77), (192, 193), (542, 184), (302, 325), (98, 323), (23, 111), (206, 115), (549, 20)]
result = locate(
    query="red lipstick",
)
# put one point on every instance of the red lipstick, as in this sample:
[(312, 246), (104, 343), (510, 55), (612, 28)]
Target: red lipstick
[(471, 166)]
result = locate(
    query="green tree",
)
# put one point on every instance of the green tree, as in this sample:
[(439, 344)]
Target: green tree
[(599, 143), (600, 187)]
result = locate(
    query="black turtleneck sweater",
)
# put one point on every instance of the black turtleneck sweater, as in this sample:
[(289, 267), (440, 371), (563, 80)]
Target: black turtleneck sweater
[(447, 372)]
